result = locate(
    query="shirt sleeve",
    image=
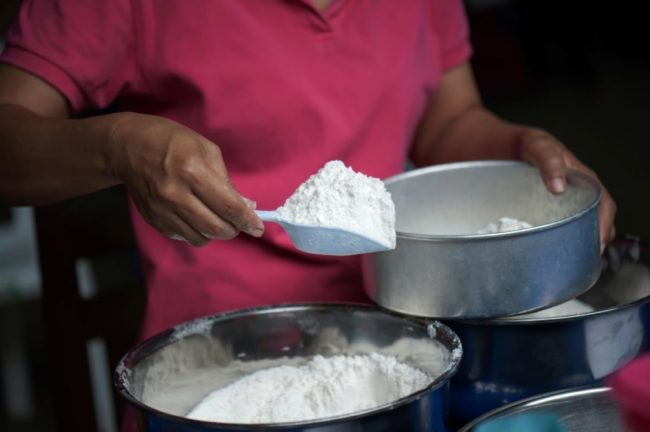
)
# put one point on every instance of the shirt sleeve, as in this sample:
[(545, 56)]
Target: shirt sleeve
[(450, 25), (82, 48)]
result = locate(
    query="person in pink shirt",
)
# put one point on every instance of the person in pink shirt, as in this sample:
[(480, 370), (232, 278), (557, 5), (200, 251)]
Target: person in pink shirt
[(224, 104)]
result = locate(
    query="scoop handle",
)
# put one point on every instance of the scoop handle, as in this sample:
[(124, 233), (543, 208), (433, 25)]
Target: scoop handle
[(268, 215)]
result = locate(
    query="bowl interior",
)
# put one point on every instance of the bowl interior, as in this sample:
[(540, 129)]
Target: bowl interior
[(463, 198), (174, 371)]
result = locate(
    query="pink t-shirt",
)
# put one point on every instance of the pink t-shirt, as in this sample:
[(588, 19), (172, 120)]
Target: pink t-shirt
[(280, 87)]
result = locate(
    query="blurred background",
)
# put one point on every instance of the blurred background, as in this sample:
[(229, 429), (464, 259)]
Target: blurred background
[(578, 69)]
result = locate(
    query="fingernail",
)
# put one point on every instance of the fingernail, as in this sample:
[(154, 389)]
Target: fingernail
[(557, 185), (178, 238), (250, 203), (255, 231), (208, 235), (602, 247)]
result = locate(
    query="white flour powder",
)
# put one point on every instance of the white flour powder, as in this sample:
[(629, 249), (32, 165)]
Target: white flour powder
[(338, 197), (324, 387), (504, 224)]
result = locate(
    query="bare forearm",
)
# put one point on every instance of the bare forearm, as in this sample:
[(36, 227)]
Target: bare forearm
[(45, 159), (472, 135), (177, 178)]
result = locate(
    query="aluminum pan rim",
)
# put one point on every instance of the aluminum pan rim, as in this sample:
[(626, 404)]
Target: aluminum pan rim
[(495, 163)]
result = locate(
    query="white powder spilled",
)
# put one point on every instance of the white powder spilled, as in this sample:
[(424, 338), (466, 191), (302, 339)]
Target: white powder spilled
[(504, 224), (324, 387), (338, 197), (569, 308)]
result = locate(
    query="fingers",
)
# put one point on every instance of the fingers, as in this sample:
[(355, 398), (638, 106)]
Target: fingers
[(545, 152), (606, 217), (180, 184), (231, 208), (175, 211), (218, 195), (180, 230), (168, 223), (552, 158), (191, 220), (206, 222)]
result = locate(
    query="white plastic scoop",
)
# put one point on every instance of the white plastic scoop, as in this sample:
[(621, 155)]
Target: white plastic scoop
[(324, 240)]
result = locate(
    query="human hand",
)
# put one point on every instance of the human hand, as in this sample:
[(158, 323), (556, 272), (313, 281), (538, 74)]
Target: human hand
[(178, 180), (552, 158)]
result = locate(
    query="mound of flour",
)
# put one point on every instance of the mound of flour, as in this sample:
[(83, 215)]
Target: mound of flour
[(338, 197), (324, 387), (504, 224)]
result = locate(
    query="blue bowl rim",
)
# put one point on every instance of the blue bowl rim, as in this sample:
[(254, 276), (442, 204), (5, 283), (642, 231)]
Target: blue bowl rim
[(534, 401)]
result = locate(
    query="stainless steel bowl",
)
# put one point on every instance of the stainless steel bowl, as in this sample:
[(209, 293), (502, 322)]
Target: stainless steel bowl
[(509, 359), (164, 377), (441, 268), (584, 410)]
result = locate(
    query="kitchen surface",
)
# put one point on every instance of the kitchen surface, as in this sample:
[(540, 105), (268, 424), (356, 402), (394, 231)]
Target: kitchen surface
[(72, 289)]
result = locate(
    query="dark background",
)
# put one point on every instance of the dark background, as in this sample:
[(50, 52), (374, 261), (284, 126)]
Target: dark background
[(581, 70), (578, 69)]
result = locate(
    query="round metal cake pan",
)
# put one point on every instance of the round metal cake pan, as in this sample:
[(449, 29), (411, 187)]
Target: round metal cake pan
[(443, 268)]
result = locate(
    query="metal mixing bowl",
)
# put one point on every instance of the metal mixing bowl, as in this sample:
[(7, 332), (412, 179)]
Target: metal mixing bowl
[(584, 410), (164, 377), (509, 359), (442, 268)]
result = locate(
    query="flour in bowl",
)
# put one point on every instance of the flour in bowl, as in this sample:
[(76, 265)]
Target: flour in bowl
[(338, 197), (504, 224), (323, 387)]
